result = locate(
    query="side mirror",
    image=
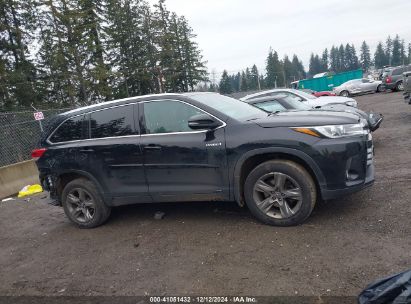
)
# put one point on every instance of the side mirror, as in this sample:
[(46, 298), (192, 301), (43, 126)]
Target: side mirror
[(203, 121)]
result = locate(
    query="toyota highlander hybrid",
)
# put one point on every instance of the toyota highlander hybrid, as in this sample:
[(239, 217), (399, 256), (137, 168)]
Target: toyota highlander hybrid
[(201, 147)]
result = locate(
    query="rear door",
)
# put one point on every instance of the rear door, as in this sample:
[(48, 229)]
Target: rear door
[(114, 155), (182, 164)]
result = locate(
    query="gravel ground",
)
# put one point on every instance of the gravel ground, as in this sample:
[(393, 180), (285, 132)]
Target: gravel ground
[(218, 248)]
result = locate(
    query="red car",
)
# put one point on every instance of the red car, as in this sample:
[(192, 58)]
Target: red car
[(319, 94)]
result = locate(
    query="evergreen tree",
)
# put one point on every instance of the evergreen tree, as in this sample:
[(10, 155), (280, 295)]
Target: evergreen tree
[(324, 61), (334, 59), (380, 57), (315, 65), (244, 82), (289, 71), (396, 58), (388, 50), (225, 84), (342, 64), (298, 68), (365, 56), (254, 81)]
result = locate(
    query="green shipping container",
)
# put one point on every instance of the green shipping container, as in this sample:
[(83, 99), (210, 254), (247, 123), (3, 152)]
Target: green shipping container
[(327, 83)]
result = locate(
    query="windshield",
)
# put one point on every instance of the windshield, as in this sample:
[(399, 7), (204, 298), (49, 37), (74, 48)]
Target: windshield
[(306, 95), (296, 104), (229, 106)]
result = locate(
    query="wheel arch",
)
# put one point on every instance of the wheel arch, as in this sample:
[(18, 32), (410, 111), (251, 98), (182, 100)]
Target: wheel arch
[(253, 158), (64, 177)]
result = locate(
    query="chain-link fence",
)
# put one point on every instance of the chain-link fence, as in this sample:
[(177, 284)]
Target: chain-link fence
[(19, 134)]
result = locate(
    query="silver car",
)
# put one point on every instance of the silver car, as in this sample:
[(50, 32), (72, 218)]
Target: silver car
[(359, 86)]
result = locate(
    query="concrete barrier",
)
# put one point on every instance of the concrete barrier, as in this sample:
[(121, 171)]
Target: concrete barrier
[(16, 176)]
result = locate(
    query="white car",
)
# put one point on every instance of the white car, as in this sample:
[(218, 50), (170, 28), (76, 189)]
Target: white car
[(359, 86), (306, 98)]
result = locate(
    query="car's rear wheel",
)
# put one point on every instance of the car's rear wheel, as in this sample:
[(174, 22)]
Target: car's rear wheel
[(280, 193), (345, 93), (399, 86), (83, 204)]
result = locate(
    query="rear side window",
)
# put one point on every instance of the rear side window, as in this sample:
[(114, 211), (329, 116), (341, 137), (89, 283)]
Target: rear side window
[(398, 71), (71, 129), (112, 122)]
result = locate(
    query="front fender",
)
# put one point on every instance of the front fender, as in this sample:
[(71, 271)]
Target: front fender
[(306, 159)]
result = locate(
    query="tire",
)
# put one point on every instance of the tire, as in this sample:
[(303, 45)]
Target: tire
[(83, 204), (279, 170), (380, 88), (345, 93), (399, 86)]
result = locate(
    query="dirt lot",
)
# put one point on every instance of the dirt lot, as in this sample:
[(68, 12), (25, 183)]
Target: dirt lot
[(218, 248)]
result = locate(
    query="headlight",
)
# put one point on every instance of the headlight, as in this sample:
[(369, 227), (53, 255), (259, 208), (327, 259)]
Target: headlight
[(334, 131), (351, 103)]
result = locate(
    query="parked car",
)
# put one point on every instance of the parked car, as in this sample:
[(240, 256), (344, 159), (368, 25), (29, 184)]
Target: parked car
[(392, 78), (407, 87), (318, 94), (197, 147), (359, 86), (282, 103), (309, 99)]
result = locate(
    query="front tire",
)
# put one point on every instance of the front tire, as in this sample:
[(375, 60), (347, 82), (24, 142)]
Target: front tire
[(280, 193), (83, 204), (345, 93), (380, 88)]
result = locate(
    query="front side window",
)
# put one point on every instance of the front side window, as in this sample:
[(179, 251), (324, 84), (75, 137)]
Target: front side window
[(168, 116), (112, 122), (71, 129)]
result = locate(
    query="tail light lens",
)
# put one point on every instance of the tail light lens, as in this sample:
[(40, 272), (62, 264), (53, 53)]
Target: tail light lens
[(388, 79), (37, 153)]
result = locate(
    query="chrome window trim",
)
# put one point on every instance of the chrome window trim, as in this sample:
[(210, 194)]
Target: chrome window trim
[(134, 135)]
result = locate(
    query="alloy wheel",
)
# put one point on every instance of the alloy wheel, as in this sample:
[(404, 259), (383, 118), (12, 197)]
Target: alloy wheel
[(81, 205), (278, 195)]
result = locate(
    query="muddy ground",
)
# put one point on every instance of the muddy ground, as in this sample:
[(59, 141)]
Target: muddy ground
[(218, 248)]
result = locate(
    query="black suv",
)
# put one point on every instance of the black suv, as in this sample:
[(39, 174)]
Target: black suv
[(201, 147)]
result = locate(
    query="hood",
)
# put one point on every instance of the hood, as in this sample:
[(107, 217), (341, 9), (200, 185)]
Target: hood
[(307, 118), (335, 99)]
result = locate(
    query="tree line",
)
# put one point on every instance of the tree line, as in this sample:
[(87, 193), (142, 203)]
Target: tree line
[(63, 53), (337, 59)]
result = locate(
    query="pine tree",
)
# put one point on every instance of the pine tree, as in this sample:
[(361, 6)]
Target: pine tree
[(244, 82), (388, 50), (342, 62), (289, 72), (298, 68), (315, 65), (324, 60), (396, 58), (18, 73), (225, 84), (254, 78), (380, 57), (334, 64), (365, 57)]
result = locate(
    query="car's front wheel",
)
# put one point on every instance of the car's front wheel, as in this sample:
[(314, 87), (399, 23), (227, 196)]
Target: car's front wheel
[(83, 204), (345, 93), (380, 88), (280, 193)]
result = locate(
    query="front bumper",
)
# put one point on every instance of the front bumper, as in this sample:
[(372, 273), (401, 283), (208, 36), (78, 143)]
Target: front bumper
[(349, 166)]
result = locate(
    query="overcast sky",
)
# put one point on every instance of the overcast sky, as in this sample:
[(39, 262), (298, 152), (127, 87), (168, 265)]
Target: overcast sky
[(234, 34)]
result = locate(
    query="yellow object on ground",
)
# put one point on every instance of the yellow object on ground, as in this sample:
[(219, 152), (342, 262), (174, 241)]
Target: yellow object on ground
[(29, 190)]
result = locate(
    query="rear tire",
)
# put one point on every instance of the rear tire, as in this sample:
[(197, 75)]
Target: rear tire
[(399, 86), (345, 93), (287, 205), (83, 204)]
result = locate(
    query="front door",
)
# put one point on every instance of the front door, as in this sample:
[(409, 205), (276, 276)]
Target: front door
[(182, 164)]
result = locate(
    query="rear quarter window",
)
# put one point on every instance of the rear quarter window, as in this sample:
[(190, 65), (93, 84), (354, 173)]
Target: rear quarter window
[(71, 129)]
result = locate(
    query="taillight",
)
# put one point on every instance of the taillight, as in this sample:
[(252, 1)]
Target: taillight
[(388, 79), (37, 153)]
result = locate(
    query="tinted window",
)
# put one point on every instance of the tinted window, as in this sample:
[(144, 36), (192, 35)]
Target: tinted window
[(168, 116), (229, 106), (398, 71), (112, 122), (71, 129), (270, 106)]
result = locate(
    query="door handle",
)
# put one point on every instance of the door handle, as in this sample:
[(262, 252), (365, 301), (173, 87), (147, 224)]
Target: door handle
[(152, 147), (86, 150)]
